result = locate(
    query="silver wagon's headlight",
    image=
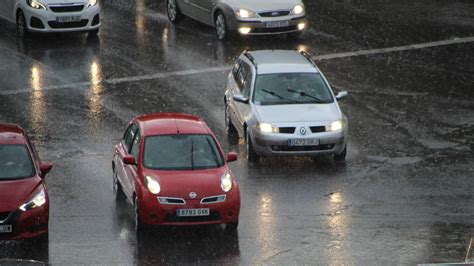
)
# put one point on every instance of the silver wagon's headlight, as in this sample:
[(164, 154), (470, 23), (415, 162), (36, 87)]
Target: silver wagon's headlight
[(152, 185), (36, 4), (335, 126), (267, 128), (298, 9), (37, 201), (226, 182), (245, 13)]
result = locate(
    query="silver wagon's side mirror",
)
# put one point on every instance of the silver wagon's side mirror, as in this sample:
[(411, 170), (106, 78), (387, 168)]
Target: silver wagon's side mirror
[(341, 95), (241, 99)]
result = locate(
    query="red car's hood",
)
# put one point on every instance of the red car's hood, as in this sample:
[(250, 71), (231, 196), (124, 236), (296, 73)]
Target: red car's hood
[(13, 193), (179, 184)]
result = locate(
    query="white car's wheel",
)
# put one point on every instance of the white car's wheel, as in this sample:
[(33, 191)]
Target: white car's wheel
[(21, 27), (232, 133), (174, 15), (252, 156), (341, 157)]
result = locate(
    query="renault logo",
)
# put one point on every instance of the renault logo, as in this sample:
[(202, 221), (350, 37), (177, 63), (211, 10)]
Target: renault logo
[(193, 195), (303, 131)]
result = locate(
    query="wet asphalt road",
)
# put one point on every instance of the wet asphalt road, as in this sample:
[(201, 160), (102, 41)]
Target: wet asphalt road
[(404, 196)]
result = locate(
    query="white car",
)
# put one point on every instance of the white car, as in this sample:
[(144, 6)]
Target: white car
[(52, 15), (247, 17), (282, 104)]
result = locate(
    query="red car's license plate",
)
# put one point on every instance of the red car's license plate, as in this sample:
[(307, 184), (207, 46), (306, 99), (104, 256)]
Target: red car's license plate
[(192, 212), (5, 228)]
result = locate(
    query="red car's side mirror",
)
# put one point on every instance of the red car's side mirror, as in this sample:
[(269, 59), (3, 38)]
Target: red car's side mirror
[(45, 169), (129, 159), (231, 157)]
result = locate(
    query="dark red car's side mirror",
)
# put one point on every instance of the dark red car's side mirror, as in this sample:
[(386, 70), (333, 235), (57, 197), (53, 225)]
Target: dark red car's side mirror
[(45, 169), (129, 159), (231, 157)]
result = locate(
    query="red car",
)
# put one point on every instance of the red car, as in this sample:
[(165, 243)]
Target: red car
[(24, 204), (173, 171)]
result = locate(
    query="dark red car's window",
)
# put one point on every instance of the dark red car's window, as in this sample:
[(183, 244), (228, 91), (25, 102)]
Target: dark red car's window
[(15, 162)]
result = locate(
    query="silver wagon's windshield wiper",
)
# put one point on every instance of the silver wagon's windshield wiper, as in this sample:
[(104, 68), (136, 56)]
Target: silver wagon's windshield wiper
[(274, 94), (304, 94)]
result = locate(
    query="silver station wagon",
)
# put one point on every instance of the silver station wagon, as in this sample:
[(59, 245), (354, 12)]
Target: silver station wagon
[(246, 17), (282, 104)]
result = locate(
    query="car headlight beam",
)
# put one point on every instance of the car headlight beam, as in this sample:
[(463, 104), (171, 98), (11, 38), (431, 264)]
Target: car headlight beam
[(297, 10), (36, 4), (335, 126), (152, 185), (226, 182), (37, 201)]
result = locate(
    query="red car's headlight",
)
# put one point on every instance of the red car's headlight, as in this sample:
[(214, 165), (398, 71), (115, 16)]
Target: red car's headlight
[(37, 201), (226, 182)]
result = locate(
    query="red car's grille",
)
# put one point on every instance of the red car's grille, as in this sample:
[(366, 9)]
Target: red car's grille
[(4, 215), (303, 148), (173, 218)]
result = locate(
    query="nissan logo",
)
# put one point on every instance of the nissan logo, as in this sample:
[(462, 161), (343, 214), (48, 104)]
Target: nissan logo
[(303, 131), (193, 195)]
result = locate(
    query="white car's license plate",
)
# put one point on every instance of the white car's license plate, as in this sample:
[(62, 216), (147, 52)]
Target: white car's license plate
[(5, 228), (303, 142), (277, 24), (193, 212), (68, 19)]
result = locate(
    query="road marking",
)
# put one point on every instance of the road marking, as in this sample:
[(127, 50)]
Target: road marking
[(468, 252), (395, 49), (226, 68)]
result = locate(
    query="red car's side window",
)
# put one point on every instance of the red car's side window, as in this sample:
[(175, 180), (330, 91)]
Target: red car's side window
[(136, 146), (129, 136)]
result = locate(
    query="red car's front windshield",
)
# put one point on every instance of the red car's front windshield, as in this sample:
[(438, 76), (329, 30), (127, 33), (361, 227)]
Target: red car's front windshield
[(15, 162), (181, 152)]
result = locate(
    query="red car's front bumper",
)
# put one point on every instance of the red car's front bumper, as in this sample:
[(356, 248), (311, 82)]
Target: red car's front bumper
[(154, 213), (29, 224)]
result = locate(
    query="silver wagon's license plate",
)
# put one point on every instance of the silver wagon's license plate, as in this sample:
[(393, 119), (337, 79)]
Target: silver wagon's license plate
[(303, 142), (5, 228), (68, 19), (277, 24), (193, 212)]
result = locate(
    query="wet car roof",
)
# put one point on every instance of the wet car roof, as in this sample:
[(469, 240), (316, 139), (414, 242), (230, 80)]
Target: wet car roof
[(170, 124), (11, 134), (281, 61)]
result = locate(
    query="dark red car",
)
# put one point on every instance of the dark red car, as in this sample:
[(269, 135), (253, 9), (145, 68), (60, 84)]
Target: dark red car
[(173, 170), (24, 203)]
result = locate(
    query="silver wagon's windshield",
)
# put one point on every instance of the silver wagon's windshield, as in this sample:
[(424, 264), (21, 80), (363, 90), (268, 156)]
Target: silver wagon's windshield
[(291, 88), (15, 162), (181, 152)]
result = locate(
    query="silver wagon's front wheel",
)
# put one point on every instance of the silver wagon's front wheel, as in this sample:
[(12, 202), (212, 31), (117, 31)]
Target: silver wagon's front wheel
[(221, 26)]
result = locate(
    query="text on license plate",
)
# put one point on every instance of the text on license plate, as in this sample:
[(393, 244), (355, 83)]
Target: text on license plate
[(5, 228), (303, 142), (277, 24), (193, 212), (68, 19)]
